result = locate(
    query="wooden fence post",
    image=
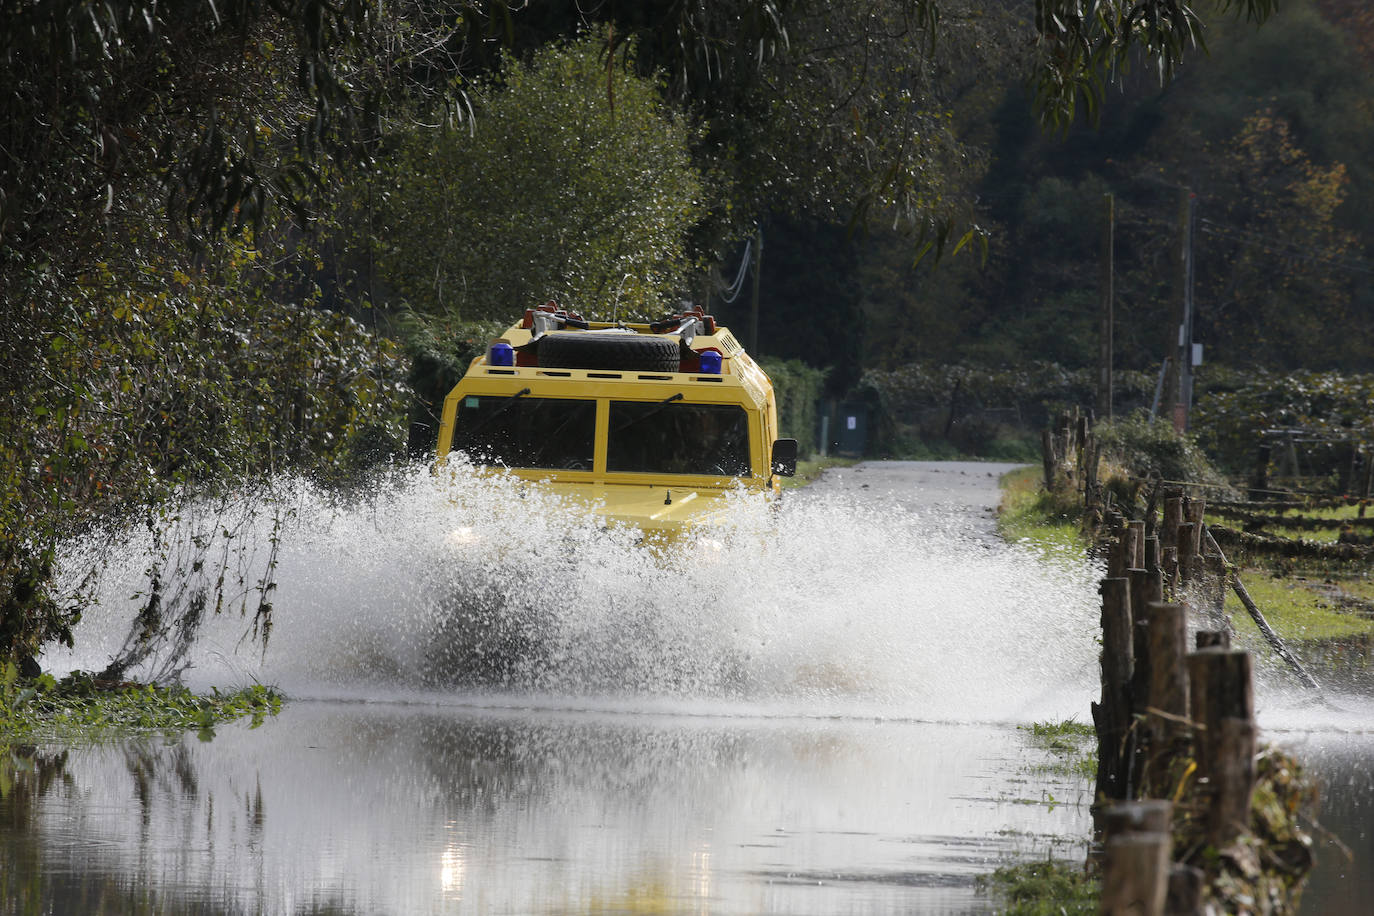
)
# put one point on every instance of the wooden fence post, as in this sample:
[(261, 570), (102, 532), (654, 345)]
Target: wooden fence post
[(1168, 704), (1213, 639), (1136, 861), (1233, 780), (1185, 891), (1138, 544), (1048, 458), (1152, 556), (1173, 517), (1223, 711), (1186, 555), (1122, 552), (1195, 511), (1115, 738), (1146, 589)]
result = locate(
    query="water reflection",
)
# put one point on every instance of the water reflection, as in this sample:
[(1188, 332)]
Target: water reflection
[(403, 808), (1342, 884)]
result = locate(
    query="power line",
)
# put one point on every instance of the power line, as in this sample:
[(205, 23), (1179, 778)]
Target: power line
[(729, 294)]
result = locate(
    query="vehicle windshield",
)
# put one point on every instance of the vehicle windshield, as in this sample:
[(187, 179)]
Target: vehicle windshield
[(671, 437), (524, 432)]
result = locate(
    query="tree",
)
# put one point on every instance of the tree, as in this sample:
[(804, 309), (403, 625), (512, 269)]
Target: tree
[(182, 382), (1083, 47), (1274, 276), (573, 183)]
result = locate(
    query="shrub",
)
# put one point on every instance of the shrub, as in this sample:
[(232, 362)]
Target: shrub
[(1153, 449), (797, 387)]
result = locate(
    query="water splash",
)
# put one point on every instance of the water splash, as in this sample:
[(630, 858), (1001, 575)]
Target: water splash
[(488, 590)]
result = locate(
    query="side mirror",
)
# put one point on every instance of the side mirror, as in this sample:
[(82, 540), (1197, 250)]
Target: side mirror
[(785, 457)]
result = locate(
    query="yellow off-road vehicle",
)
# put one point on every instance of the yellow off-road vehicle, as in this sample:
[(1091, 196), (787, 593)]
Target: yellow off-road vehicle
[(647, 425)]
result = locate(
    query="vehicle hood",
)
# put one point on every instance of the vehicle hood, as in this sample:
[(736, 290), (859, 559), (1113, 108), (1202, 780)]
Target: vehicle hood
[(660, 512)]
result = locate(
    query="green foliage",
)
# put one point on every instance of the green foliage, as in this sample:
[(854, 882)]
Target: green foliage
[(1037, 387), (1271, 130), (1152, 448), (1028, 514), (980, 410), (1299, 610), (1082, 49), (1073, 745), (440, 350), (223, 110), (1322, 405), (81, 707), (1046, 888), (852, 124), (797, 388), (147, 378), (575, 183)]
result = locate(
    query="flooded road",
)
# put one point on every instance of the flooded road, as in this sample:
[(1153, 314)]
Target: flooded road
[(821, 712), (403, 808)]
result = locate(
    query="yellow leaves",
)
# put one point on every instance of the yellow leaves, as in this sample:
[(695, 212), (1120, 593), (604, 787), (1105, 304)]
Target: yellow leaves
[(1320, 190)]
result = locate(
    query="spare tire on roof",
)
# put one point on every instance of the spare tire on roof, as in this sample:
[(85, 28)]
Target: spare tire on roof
[(609, 350)]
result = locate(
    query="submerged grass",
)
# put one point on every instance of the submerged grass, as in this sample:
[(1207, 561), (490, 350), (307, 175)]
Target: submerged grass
[(1073, 744), (79, 707), (1048, 888)]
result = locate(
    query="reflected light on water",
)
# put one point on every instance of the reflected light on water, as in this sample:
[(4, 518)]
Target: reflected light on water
[(452, 871), (701, 867)]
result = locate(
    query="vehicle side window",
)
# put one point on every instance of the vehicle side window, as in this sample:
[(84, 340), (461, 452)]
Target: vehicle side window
[(525, 432), (677, 438)]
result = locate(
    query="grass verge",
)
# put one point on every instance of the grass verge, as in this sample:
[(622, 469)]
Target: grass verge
[(810, 469), (79, 707), (1029, 515), (1298, 609)]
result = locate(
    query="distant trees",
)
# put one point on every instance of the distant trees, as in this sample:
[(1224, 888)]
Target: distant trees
[(1272, 133), (1276, 278)]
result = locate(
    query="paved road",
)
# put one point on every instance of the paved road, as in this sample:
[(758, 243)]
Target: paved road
[(966, 490)]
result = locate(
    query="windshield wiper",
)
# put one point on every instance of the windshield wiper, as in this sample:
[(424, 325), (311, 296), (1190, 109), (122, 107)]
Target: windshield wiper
[(648, 413), (506, 405)]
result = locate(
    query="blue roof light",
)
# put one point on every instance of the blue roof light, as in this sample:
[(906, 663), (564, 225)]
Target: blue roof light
[(501, 355), (710, 362)]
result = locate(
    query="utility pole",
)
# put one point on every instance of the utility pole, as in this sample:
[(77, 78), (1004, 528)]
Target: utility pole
[(754, 308), (1106, 330), (1189, 357), (1179, 384)]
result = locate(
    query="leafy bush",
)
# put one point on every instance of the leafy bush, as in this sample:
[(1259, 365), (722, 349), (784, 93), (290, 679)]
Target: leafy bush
[(1148, 449), (797, 387), (1325, 405), (441, 349), (1046, 888), (79, 704), (153, 378), (575, 183), (1035, 391)]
